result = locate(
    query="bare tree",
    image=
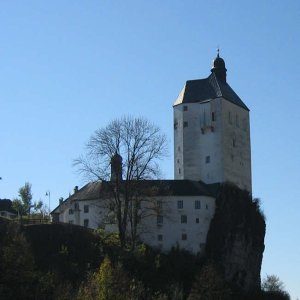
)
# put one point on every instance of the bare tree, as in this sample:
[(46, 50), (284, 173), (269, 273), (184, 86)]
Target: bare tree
[(127, 150)]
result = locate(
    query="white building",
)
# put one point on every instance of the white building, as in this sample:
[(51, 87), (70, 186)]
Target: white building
[(211, 146)]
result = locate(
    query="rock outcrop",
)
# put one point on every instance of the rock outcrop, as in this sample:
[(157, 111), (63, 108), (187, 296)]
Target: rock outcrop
[(235, 239)]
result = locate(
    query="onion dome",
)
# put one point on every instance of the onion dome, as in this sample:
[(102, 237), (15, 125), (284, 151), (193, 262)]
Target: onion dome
[(218, 67)]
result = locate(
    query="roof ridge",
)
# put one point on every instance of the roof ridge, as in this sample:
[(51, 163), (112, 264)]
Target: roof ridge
[(212, 79)]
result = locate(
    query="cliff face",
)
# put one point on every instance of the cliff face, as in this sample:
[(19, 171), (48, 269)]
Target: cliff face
[(235, 239)]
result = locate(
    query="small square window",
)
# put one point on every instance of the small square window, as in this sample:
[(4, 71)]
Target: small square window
[(86, 208), (185, 108), (160, 237), (86, 222), (180, 204), (207, 159), (197, 204), (183, 219), (197, 220), (160, 220), (185, 124), (184, 236)]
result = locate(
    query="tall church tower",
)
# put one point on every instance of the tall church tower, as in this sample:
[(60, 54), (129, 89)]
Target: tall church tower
[(212, 131)]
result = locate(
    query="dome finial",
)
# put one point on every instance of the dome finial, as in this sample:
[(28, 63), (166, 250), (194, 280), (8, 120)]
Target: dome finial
[(218, 51)]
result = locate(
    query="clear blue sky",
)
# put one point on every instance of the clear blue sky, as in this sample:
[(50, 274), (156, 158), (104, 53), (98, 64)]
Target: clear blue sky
[(69, 67)]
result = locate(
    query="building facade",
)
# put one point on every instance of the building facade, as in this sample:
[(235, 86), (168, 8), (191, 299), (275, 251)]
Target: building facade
[(211, 146)]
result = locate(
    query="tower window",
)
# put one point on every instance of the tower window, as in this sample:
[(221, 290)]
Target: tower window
[(229, 118), (237, 120), (197, 204), (213, 117), (185, 124), (160, 220), (183, 219), (180, 204), (175, 124), (185, 108), (179, 171), (233, 142), (184, 236), (207, 159)]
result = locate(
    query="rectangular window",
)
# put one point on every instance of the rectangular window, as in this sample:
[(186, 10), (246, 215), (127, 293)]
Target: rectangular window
[(213, 117), (197, 204), (160, 237), (160, 220), (206, 206), (237, 120), (185, 108), (76, 206), (86, 208), (229, 118), (233, 142), (180, 204), (197, 220), (159, 204), (86, 222), (183, 219), (185, 124), (179, 171), (207, 159), (71, 211), (184, 236), (70, 222)]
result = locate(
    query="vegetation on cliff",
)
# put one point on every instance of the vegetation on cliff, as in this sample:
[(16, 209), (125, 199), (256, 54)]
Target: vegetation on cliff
[(63, 261)]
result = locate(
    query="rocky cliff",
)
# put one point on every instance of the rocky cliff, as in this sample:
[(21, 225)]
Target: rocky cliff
[(235, 239)]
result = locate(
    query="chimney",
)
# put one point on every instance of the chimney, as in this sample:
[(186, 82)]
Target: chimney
[(116, 167), (75, 189)]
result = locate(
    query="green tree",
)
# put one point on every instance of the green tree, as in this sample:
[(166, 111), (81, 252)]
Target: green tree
[(274, 288), (23, 204), (17, 270), (209, 284)]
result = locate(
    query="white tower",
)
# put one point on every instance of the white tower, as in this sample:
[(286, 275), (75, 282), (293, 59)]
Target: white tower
[(212, 131)]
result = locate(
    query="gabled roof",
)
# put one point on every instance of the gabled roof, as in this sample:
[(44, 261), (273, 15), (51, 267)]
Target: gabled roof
[(103, 189), (199, 90)]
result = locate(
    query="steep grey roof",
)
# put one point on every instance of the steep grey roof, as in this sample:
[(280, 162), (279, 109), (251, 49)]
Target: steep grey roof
[(200, 90), (100, 190)]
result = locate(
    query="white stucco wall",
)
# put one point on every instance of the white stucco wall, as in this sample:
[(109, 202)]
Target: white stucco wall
[(171, 229), (225, 140)]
